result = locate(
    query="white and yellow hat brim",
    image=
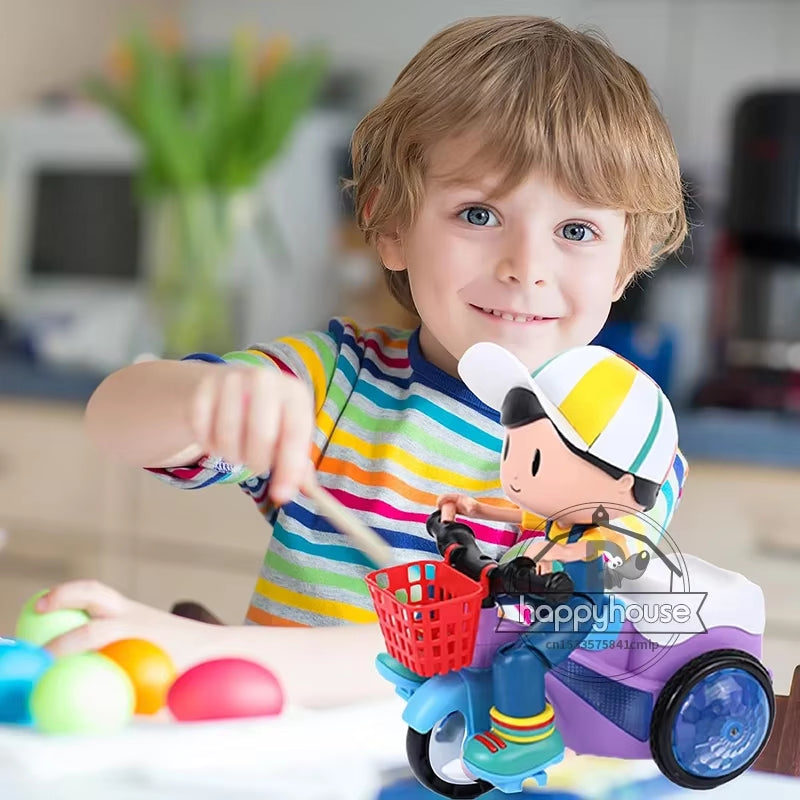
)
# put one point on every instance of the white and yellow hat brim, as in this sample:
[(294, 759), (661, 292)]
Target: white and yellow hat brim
[(599, 402), (490, 372)]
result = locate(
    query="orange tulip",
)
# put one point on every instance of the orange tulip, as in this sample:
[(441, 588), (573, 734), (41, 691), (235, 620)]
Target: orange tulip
[(275, 52), (167, 34), (121, 65)]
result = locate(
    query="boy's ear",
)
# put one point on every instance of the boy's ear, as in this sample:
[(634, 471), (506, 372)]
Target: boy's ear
[(620, 286), (390, 250)]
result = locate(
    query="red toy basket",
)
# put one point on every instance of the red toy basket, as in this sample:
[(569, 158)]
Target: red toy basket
[(428, 613)]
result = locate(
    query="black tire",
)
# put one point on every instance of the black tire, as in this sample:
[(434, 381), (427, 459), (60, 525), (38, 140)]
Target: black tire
[(671, 699), (418, 752)]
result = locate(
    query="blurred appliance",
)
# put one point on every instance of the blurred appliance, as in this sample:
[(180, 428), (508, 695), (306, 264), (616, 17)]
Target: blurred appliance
[(660, 321), (75, 246), (650, 347), (756, 286)]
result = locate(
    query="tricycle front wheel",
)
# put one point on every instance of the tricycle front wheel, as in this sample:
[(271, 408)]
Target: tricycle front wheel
[(435, 759)]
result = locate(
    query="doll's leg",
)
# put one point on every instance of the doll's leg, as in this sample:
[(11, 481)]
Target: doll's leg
[(523, 738)]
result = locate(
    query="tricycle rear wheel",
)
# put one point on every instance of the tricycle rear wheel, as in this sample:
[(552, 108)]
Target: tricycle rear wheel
[(712, 719)]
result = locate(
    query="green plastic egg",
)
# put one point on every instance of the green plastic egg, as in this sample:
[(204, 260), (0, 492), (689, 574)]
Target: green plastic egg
[(85, 693), (39, 629)]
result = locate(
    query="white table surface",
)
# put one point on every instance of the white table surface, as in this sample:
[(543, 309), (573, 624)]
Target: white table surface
[(330, 755), (346, 753)]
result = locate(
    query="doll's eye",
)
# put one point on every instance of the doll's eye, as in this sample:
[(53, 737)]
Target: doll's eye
[(537, 462), (505, 447)]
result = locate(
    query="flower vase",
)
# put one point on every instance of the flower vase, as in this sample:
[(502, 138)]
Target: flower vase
[(193, 289)]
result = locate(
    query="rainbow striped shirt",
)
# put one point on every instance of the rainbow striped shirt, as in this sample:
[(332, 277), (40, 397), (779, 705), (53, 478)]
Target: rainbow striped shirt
[(392, 433)]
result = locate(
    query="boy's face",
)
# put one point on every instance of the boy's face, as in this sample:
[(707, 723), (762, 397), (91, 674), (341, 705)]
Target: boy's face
[(535, 271), (541, 474)]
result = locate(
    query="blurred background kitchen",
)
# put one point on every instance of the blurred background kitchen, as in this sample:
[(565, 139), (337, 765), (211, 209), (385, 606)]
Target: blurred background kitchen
[(122, 224)]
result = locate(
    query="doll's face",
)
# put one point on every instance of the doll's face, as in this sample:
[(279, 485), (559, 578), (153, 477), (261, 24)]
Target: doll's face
[(541, 474)]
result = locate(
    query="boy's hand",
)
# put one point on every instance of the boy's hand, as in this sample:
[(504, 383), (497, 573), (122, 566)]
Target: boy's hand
[(456, 504), (261, 418), (115, 617)]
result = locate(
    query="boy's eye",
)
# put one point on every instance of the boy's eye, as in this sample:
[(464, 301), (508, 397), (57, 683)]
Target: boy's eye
[(505, 447), (478, 215), (577, 232), (537, 462)]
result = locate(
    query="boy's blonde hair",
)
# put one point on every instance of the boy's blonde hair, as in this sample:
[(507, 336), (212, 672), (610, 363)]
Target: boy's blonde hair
[(533, 95)]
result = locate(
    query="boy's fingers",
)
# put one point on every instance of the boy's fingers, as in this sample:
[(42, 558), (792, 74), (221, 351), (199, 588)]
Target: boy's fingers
[(227, 435), (261, 429), (202, 412), (92, 636), (309, 480), (96, 599), (292, 449)]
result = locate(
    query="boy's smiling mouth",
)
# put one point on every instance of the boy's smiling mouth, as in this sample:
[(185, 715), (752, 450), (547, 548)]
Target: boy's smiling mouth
[(514, 488), (511, 316)]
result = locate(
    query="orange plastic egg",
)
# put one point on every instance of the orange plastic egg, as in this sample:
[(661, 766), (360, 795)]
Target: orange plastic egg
[(150, 669)]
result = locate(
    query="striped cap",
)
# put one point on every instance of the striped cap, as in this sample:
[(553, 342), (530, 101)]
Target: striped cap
[(600, 402)]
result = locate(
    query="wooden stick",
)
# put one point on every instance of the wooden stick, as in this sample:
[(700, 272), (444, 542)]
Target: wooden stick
[(363, 537)]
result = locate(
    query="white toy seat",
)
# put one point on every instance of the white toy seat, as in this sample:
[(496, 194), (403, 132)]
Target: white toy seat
[(729, 598)]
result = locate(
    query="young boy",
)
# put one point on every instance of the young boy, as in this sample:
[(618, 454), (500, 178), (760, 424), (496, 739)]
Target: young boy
[(515, 180)]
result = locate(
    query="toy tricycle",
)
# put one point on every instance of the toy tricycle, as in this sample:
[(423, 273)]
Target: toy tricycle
[(702, 708)]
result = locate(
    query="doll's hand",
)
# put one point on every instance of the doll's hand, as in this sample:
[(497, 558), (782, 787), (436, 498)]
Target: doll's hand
[(457, 503), (113, 617), (261, 418), (536, 547)]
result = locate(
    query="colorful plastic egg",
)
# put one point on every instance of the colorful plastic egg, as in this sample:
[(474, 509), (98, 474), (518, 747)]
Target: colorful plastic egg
[(36, 628), (83, 693), (150, 669), (223, 689), (21, 666)]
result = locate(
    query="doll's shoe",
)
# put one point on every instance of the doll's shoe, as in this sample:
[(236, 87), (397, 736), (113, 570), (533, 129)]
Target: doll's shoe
[(405, 681), (514, 750)]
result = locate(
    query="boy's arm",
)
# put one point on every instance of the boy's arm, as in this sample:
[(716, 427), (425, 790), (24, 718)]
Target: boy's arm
[(317, 667), (216, 423), (209, 419), (141, 413)]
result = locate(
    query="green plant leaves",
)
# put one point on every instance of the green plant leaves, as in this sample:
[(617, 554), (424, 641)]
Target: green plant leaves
[(212, 121)]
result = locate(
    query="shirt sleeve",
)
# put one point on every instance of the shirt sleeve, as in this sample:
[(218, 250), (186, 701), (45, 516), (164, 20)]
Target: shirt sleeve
[(670, 495), (606, 540), (532, 523), (311, 357), (659, 516)]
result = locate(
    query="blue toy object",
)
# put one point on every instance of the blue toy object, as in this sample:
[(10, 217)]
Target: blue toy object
[(652, 348), (21, 666)]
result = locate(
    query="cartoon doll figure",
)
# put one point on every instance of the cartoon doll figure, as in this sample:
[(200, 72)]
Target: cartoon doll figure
[(587, 429)]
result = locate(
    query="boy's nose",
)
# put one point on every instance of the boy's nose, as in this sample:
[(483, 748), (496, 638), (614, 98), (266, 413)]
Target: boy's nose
[(525, 264)]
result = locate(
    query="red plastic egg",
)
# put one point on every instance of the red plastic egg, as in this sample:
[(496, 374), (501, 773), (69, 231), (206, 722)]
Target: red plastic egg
[(224, 689)]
